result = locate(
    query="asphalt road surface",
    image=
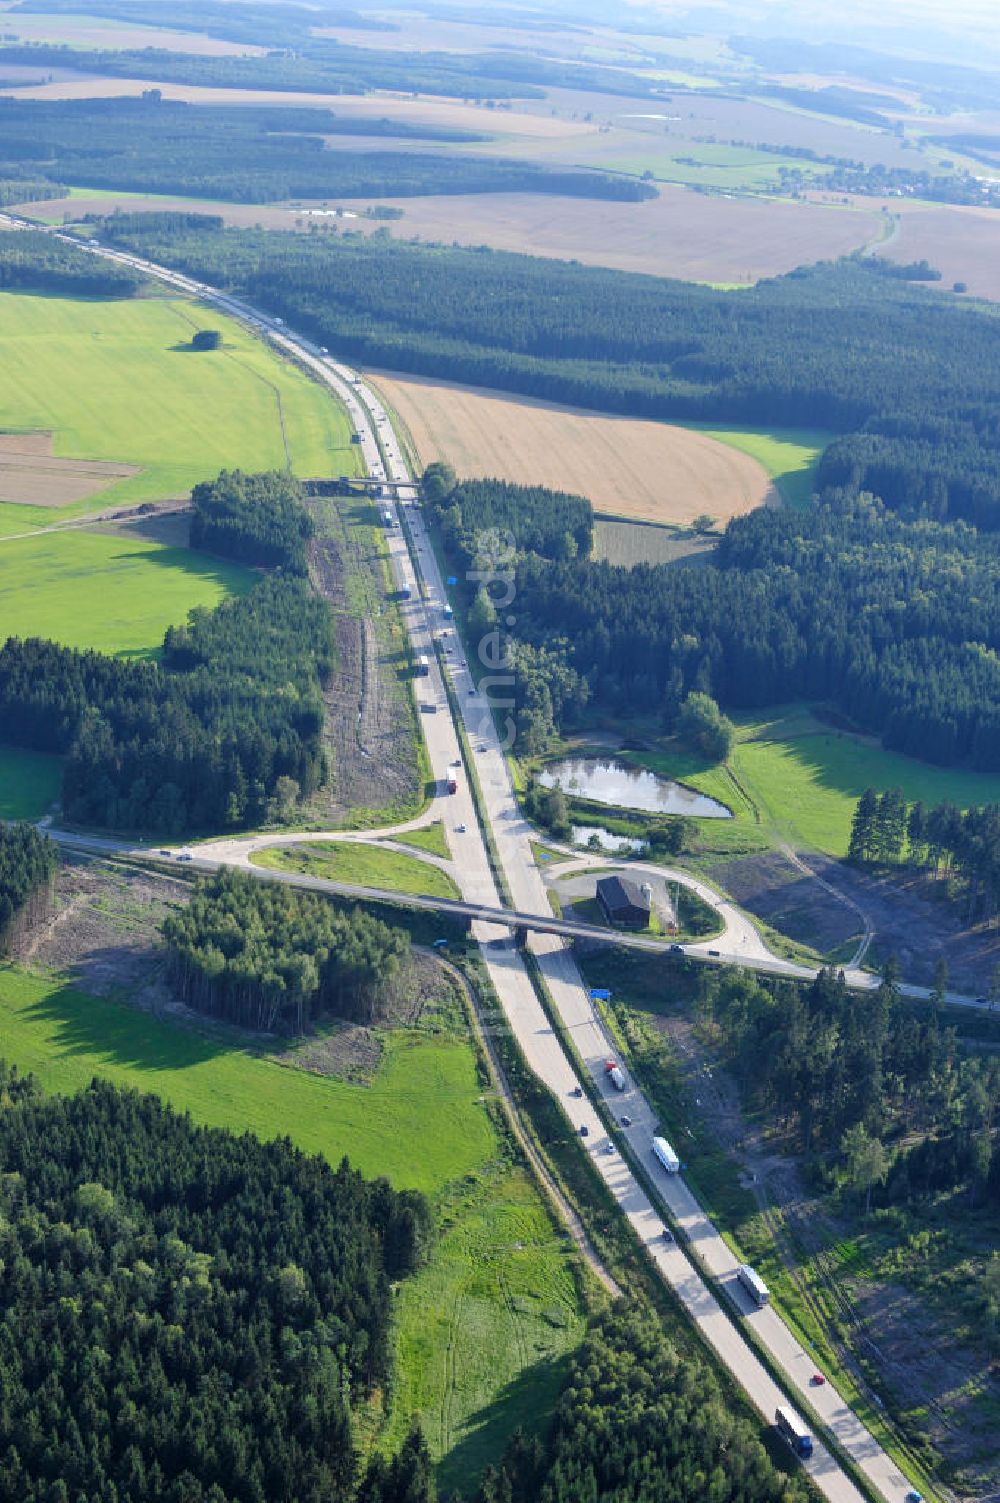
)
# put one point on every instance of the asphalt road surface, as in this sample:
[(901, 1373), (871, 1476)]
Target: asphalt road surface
[(419, 573)]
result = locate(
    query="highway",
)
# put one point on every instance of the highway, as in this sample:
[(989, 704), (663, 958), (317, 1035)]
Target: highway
[(701, 1249)]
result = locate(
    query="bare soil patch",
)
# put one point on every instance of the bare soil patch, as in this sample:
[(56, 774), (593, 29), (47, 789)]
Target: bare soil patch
[(31, 475), (908, 912), (39, 442), (103, 929), (368, 728), (641, 470)]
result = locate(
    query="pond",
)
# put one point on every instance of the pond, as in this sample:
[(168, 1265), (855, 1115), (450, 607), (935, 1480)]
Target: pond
[(616, 845), (606, 780)]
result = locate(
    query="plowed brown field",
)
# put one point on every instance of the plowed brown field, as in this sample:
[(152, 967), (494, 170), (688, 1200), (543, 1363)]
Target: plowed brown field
[(627, 467)]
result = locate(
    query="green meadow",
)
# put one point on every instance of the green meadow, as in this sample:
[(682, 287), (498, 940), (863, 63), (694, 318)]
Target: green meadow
[(421, 1122), (794, 778), (114, 592), (789, 455), (29, 783), (715, 165), (117, 381), (365, 865)]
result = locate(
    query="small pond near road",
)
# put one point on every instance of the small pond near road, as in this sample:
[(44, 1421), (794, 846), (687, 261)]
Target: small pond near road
[(606, 780)]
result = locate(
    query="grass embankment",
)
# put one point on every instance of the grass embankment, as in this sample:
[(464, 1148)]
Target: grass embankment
[(792, 777), (429, 838), (114, 592), (117, 381), (495, 1309), (365, 865)]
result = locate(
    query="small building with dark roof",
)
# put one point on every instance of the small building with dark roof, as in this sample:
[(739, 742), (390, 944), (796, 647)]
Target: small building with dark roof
[(623, 903)]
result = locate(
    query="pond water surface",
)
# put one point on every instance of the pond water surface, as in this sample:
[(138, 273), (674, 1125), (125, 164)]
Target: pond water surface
[(606, 780)]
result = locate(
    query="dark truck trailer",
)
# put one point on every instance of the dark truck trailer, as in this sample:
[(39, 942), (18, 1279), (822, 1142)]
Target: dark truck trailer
[(791, 1429)]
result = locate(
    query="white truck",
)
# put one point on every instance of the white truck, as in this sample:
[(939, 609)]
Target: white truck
[(615, 1074), (663, 1151)]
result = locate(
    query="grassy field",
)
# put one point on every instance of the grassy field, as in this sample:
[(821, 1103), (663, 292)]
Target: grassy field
[(482, 1332), (29, 781), (115, 592), (365, 865), (66, 1037), (804, 779), (117, 381), (715, 165), (495, 1308), (789, 455), (428, 838)]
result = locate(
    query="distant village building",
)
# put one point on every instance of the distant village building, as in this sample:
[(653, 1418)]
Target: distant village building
[(623, 902)]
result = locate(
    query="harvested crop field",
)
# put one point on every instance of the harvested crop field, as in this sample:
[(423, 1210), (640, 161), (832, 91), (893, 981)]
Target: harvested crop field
[(629, 543), (31, 475), (85, 31), (629, 468), (962, 243), (694, 236)]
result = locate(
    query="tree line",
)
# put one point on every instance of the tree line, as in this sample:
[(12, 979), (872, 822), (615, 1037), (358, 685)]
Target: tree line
[(187, 1316), (224, 731), (963, 849), (911, 379), (275, 960), (255, 519), (32, 261), (28, 862), (247, 154)]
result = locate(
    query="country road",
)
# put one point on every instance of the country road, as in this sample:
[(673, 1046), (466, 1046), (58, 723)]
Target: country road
[(700, 1258)]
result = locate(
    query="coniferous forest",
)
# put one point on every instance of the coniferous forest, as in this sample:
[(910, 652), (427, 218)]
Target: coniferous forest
[(270, 958), (28, 862), (187, 1316), (209, 738), (255, 519), (32, 261), (255, 154), (894, 621), (960, 849), (829, 1064)]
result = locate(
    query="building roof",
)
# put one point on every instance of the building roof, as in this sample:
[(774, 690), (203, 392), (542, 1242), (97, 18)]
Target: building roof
[(620, 894)]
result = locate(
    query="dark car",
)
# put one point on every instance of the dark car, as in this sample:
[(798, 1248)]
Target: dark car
[(675, 949), (626, 1122), (584, 1130)]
